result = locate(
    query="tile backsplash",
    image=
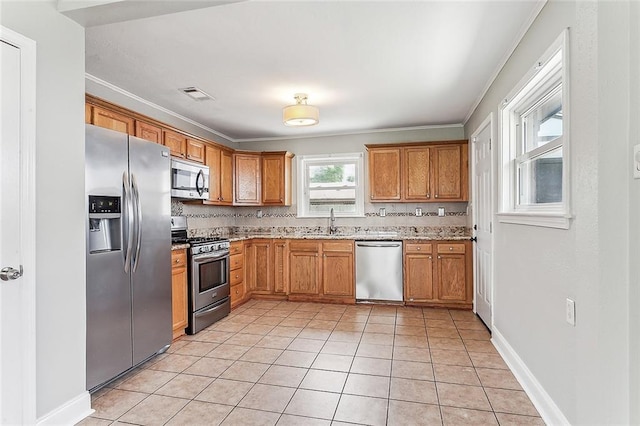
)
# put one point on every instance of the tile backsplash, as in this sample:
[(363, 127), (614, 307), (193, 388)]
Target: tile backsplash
[(201, 218)]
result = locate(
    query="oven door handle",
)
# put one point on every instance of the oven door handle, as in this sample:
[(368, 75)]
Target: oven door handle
[(208, 257)]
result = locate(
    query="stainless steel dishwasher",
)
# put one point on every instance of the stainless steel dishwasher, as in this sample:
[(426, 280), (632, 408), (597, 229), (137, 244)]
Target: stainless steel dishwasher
[(379, 270)]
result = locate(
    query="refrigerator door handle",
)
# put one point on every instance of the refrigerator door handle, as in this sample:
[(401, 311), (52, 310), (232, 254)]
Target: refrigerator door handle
[(138, 221), (200, 189), (129, 225)]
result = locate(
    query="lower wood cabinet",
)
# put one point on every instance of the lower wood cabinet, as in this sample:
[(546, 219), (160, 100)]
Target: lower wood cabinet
[(304, 267), (258, 262), (179, 296), (337, 269), (438, 273), (236, 273)]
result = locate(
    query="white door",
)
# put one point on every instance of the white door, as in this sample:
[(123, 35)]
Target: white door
[(17, 230), (482, 201)]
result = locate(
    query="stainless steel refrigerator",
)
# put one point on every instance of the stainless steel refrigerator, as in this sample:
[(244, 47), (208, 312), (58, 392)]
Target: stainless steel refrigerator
[(128, 216)]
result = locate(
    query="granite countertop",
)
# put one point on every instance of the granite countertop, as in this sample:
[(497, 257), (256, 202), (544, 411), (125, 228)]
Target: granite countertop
[(179, 246), (360, 237)]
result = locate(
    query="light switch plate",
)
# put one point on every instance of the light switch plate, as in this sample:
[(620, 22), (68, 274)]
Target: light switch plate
[(636, 162)]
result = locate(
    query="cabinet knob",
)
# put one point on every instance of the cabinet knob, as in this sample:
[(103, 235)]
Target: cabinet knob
[(177, 260), (450, 248), (418, 248), (430, 257), (428, 195), (439, 257), (436, 195)]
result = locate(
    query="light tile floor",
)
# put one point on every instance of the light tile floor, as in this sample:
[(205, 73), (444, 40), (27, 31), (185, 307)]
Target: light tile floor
[(292, 363)]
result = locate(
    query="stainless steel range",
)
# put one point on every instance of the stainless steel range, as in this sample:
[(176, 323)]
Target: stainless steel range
[(208, 282)]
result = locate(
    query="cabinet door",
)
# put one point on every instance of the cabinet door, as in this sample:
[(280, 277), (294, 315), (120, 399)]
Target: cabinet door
[(176, 143), (452, 277), (258, 261), (112, 120), (416, 169), (384, 174), (148, 132), (226, 177), (87, 113), (248, 180), (418, 278), (337, 273), (449, 173), (304, 268), (273, 180), (281, 266), (179, 299), (212, 159), (195, 151)]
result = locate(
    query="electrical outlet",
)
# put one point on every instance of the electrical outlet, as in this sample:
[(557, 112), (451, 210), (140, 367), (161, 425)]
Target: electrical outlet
[(571, 312), (383, 212), (418, 211), (259, 214), (441, 211)]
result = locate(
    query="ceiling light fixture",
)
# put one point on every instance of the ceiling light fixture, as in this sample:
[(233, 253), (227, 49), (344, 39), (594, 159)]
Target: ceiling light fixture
[(300, 114)]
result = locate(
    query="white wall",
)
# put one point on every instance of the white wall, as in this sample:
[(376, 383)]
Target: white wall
[(60, 238), (584, 369)]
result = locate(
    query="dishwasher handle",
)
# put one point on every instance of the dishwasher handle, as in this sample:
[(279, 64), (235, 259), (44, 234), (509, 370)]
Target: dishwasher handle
[(378, 244)]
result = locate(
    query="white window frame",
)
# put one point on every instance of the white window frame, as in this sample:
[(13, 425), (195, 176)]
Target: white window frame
[(537, 84), (302, 185)]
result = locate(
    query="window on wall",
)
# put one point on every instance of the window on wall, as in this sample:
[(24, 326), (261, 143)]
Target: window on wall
[(535, 144), (328, 182)]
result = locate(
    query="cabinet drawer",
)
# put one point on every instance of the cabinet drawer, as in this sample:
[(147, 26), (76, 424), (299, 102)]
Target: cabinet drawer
[(451, 248), (236, 247), (237, 293), (236, 277), (236, 261), (346, 246), (418, 248), (178, 258), (312, 246)]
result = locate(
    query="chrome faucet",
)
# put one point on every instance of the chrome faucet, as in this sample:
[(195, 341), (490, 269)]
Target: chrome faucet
[(332, 219)]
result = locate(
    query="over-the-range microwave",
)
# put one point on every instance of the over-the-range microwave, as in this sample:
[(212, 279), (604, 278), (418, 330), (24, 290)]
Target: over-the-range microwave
[(189, 180)]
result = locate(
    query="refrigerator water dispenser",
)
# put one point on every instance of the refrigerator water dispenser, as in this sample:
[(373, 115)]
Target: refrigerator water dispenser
[(104, 224)]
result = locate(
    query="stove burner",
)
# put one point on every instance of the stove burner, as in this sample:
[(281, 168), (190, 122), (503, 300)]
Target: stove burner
[(204, 240)]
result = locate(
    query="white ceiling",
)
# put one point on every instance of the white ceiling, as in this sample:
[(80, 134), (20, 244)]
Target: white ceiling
[(367, 65)]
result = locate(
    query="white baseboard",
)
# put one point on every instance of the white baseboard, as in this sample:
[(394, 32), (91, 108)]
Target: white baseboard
[(70, 412), (549, 411)]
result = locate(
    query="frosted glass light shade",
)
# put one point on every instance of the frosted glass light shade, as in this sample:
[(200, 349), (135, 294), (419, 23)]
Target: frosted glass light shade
[(300, 115)]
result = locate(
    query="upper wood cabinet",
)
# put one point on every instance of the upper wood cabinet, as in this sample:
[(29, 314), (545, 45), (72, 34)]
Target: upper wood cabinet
[(195, 150), (276, 178), (148, 132), (248, 179), (176, 143), (220, 162), (384, 174), (87, 113), (112, 120), (419, 172)]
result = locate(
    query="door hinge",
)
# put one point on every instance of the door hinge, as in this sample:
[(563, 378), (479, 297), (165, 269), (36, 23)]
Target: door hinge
[(474, 239), (490, 227), (489, 143)]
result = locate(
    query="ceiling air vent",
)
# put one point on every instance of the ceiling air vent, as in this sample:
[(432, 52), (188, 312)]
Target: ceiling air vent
[(197, 94)]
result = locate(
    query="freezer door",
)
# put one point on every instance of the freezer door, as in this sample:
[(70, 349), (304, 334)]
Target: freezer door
[(109, 347), (150, 168)]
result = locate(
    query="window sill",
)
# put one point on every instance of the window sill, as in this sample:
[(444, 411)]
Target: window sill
[(546, 220)]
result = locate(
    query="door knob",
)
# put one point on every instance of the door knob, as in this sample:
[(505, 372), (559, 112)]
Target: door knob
[(8, 273)]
